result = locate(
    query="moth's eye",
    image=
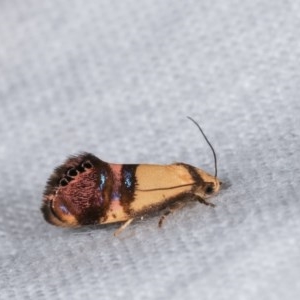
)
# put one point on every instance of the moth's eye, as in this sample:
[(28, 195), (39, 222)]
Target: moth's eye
[(87, 165), (72, 172), (209, 190)]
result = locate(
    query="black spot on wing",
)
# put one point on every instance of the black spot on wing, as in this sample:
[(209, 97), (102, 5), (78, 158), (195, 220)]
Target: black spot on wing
[(128, 184)]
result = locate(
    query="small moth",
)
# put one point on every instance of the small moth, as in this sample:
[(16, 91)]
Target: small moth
[(86, 190)]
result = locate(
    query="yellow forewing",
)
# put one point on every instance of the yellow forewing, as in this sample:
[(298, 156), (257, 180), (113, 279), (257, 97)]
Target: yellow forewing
[(156, 183)]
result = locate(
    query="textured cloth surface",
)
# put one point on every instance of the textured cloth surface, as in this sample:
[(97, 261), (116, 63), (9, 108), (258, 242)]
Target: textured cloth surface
[(117, 78)]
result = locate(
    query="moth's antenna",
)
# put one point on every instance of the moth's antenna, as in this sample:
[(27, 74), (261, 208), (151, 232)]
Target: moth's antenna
[(211, 147)]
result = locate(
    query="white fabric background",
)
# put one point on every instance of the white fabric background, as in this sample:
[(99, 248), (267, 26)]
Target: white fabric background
[(117, 78)]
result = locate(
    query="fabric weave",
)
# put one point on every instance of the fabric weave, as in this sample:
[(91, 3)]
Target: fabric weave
[(117, 79)]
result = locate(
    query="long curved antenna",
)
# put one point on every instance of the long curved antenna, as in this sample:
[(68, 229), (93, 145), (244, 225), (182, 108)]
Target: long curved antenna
[(211, 147)]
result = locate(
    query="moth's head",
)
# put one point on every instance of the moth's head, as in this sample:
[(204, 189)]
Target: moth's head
[(72, 196), (209, 186)]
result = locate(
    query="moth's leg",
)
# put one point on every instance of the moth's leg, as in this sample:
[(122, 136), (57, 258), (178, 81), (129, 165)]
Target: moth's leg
[(203, 201), (122, 227), (162, 218), (171, 209)]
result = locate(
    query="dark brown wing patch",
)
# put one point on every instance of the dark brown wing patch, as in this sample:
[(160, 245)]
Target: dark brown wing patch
[(72, 190)]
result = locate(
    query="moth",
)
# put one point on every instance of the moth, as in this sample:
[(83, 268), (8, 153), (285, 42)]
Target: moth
[(86, 190)]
